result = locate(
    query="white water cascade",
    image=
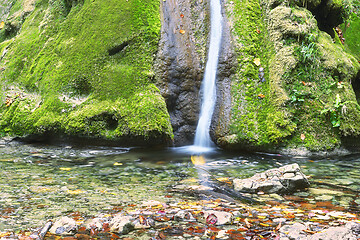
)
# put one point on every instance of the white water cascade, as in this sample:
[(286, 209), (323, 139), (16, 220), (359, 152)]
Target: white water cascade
[(208, 88)]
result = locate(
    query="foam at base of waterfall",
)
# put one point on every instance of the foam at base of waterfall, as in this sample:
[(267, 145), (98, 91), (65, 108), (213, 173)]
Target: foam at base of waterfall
[(195, 150)]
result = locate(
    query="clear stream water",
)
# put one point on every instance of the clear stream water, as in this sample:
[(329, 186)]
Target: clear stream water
[(40, 182)]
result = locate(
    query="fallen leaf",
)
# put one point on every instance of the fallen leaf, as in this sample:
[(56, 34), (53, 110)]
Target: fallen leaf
[(302, 137), (118, 164), (8, 102), (261, 96), (198, 160), (247, 223), (181, 15), (2, 24), (77, 191), (65, 169), (211, 219), (258, 31), (182, 31)]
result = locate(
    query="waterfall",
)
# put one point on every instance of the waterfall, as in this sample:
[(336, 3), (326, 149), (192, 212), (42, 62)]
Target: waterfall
[(208, 88)]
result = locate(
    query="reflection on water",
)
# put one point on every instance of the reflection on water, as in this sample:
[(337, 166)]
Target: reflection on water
[(42, 182)]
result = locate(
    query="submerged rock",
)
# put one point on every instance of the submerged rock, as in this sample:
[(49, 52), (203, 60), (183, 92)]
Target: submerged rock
[(288, 178), (122, 224), (218, 217), (64, 226), (351, 231)]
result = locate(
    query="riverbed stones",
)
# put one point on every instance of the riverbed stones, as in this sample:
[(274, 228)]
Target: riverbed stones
[(288, 178), (63, 226)]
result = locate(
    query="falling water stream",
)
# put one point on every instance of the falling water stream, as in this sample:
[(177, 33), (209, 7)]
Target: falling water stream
[(208, 88)]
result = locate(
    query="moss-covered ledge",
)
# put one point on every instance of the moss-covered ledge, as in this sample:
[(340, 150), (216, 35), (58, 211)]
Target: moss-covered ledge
[(83, 68)]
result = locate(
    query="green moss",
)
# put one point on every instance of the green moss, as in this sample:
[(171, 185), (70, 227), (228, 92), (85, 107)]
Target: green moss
[(352, 36), (91, 63), (256, 120), (303, 76)]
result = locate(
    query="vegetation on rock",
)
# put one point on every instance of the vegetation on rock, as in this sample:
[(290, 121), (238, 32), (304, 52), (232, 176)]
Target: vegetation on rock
[(84, 68), (293, 84)]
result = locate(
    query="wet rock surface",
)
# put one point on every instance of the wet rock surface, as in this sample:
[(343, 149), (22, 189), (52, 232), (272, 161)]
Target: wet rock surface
[(180, 63), (288, 178), (64, 226), (298, 231)]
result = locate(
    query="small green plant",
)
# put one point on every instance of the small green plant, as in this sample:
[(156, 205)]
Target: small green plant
[(297, 96), (335, 111), (307, 52)]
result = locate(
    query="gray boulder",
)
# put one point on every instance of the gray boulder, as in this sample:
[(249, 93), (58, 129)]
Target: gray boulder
[(122, 224), (64, 226), (288, 178), (292, 232), (351, 231)]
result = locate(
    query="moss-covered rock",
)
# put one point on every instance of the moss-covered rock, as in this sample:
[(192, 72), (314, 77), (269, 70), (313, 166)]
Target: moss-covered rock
[(83, 68), (293, 85)]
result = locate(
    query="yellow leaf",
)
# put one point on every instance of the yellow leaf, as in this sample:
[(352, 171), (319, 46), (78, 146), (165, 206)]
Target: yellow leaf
[(198, 160), (2, 24), (223, 179), (77, 191), (257, 61), (118, 164), (65, 169)]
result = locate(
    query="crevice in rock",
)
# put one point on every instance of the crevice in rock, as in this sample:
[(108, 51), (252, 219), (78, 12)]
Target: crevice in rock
[(114, 50), (108, 120), (328, 16), (68, 4), (356, 87)]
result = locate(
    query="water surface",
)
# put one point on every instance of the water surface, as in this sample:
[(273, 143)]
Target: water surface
[(40, 182)]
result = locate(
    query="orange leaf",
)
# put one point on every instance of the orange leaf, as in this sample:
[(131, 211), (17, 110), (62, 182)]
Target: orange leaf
[(181, 15), (261, 96), (302, 137), (182, 31)]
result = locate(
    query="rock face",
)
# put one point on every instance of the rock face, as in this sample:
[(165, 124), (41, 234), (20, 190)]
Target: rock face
[(180, 63), (288, 178)]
